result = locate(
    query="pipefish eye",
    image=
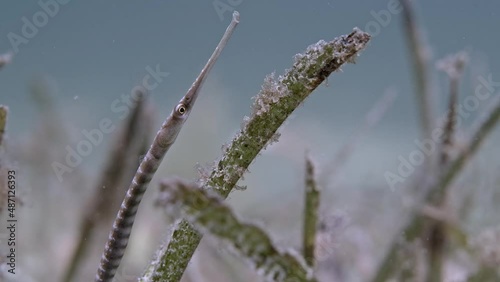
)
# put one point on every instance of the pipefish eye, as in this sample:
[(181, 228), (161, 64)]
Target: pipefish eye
[(181, 109)]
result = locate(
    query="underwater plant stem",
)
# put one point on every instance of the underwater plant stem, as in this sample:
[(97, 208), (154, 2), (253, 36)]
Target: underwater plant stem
[(420, 59), (3, 121), (209, 214), (311, 210), (437, 231), (104, 202)]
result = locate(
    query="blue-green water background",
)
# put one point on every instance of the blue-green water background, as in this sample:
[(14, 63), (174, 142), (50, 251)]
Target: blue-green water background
[(96, 51)]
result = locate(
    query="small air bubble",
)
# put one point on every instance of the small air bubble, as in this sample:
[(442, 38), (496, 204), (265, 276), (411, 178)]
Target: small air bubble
[(76, 98)]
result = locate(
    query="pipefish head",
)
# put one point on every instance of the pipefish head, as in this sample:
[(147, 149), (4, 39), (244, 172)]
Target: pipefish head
[(185, 105)]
